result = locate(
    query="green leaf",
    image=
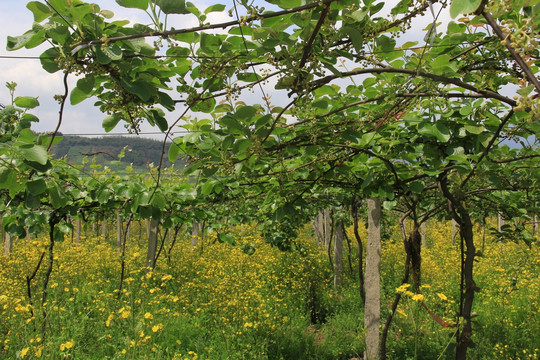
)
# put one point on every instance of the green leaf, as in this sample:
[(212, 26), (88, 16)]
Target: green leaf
[(111, 121), (86, 84), (248, 77), (77, 95), (473, 129), (458, 7), (245, 113), (32, 201), (172, 6), (57, 196), (526, 91), (26, 137), (26, 102), (159, 201), (158, 117), (174, 151), (234, 126), (437, 130), (36, 187), (205, 105), (17, 42), (356, 37), (221, 108), (138, 87), (226, 238), (465, 110), (386, 43), (210, 43), (107, 14), (440, 61), (207, 187), (34, 153), (107, 54), (40, 10), (416, 186), (138, 4), (214, 8), (47, 60)]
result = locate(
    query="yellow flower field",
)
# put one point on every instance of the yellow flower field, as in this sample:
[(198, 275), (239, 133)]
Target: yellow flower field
[(216, 302)]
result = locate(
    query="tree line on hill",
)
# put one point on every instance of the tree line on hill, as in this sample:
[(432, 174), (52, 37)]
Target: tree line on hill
[(139, 152)]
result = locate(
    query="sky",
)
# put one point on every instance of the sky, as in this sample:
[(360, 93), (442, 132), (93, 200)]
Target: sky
[(32, 80)]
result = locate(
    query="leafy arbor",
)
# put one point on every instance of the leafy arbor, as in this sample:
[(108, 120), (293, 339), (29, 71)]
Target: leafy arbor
[(370, 112)]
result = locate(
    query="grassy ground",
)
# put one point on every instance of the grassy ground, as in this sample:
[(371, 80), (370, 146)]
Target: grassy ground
[(218, 303)]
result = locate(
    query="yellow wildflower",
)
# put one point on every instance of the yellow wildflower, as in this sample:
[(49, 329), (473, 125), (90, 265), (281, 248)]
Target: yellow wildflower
[(442, 296)]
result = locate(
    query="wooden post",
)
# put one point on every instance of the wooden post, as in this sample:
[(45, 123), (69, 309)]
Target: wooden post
[(195, 233), (454, 231), (327, 227), (500, 222), (8, 244), (372, 310), (104, 228)]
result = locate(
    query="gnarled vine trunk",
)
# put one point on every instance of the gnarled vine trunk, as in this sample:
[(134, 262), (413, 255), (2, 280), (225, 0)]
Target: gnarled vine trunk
[(468, 286)]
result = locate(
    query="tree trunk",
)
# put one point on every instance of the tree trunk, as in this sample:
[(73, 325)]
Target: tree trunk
[(535, 225), (354, 210), (372, 312), (118, 230), (152, 244), (467, 286), (78, 230), (339, 234)]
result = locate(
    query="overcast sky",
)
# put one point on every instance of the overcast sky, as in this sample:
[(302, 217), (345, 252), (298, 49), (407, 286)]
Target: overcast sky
[(32, 80)]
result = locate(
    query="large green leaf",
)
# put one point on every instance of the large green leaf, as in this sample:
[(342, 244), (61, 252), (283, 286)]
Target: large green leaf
[(137, 4), (138, 87), (157, 116), (40, 10), (172, 6), (111, 121), (174, 151), (17, 42), (214, 8), (463, 7), (36, 187), (57, 196), (26, 102), (77, 95), (48, 60), (34, 153), (437, 130)]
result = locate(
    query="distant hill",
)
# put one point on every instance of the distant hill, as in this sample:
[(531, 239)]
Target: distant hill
[(139, 151)]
